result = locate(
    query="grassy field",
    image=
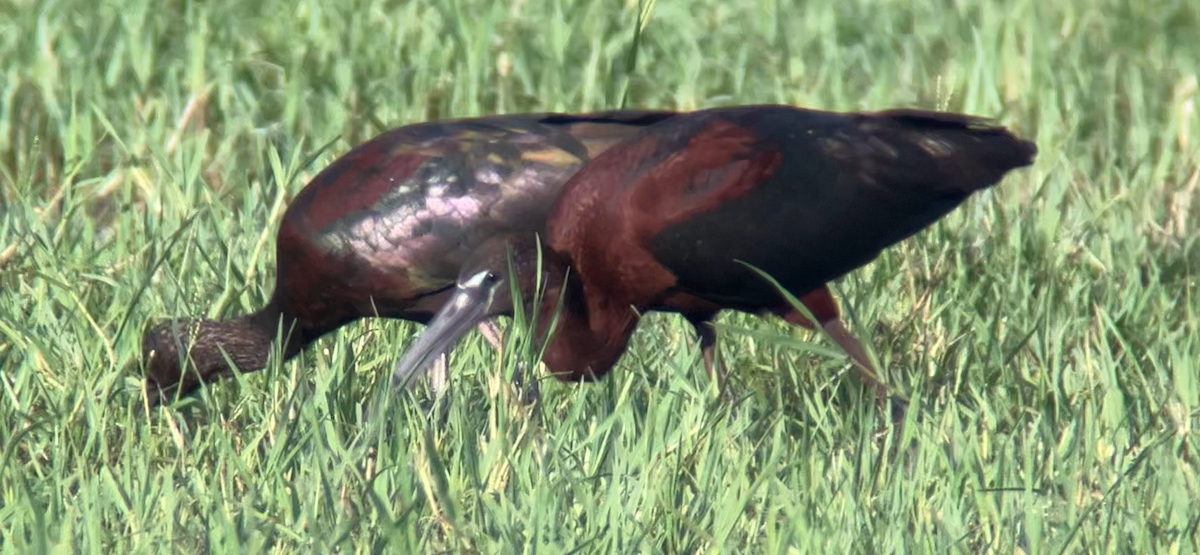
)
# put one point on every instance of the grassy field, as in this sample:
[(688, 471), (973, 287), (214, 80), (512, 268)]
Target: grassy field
[(1047, 331)]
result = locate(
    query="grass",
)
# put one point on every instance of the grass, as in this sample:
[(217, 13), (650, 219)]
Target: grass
[(1046, 331)]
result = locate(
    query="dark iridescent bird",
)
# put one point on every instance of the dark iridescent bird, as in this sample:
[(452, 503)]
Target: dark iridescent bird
[(385, 230), (672, 219)]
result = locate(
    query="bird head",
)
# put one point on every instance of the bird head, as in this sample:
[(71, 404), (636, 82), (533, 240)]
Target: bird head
[(502, 267)]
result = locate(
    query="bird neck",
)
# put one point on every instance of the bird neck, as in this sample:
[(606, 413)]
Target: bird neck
[(246, 341), (586, 349)]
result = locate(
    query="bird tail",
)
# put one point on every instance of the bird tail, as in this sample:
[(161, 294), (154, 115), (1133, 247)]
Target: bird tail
[(626, 117), (972, 153)]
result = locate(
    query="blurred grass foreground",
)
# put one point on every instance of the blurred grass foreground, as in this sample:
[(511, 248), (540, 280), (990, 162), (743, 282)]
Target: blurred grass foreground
[(1046, 331)]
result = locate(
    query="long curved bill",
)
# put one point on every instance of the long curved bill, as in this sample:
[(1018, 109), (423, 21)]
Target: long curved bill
[(465, 310)]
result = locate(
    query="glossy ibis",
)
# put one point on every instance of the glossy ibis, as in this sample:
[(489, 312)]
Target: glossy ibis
[(385, 229), (672, 218)]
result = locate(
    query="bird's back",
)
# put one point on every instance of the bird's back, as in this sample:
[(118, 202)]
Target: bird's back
[(394, 218), (804, 195), (844, 188)]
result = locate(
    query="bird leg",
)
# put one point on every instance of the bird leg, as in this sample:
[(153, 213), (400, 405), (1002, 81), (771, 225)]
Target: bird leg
[(821, 304), (439, 382), (439, 378), (708, 350), (491, 332), (867, 371), (439, 375)]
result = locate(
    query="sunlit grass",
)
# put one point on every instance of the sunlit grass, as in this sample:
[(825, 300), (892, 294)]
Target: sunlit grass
[(1046, 331)]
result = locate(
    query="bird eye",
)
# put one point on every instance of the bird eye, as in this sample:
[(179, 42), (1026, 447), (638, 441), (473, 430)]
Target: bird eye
[(481, 279)]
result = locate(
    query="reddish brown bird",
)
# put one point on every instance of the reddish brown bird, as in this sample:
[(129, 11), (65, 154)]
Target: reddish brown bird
[(672, 219), (386, 228)]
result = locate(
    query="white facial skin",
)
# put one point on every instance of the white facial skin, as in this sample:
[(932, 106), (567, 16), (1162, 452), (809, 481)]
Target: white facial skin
[(478, 279)]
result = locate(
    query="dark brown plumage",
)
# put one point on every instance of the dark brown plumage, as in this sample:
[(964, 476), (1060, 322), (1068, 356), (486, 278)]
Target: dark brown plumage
[(386, 229), (669, 219)]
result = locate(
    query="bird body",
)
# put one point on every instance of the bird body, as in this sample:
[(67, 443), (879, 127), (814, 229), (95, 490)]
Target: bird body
[(673, 217), (804, 196), (385, 230)]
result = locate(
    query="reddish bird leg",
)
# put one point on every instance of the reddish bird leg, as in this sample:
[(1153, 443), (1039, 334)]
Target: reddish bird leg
[(439, 379), (492, 333), (821, 304)]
